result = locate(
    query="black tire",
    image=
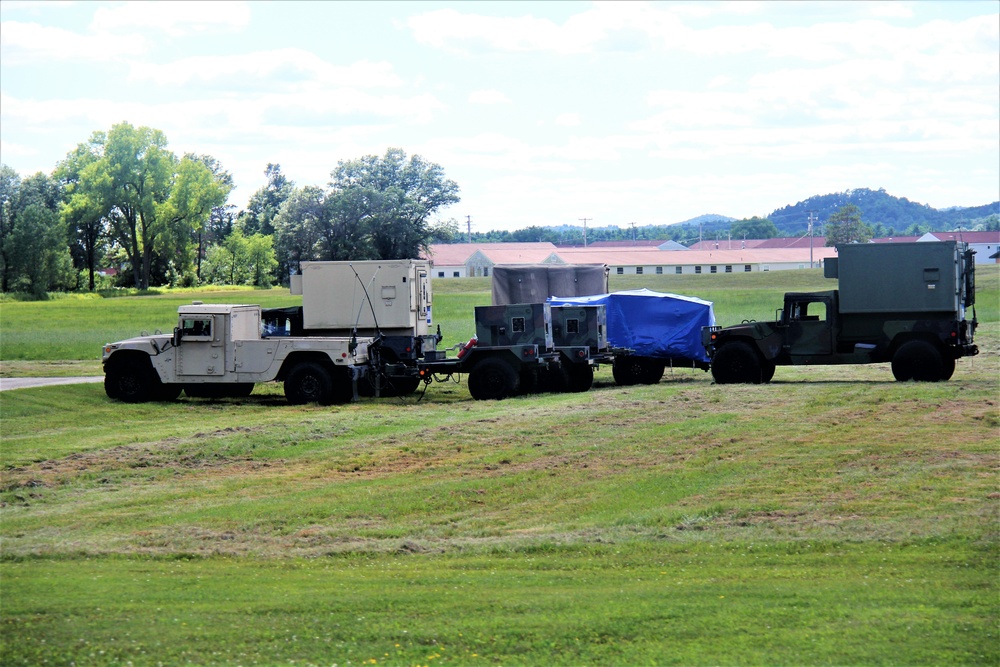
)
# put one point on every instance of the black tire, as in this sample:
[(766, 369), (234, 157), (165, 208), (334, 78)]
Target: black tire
[(493, 380), (737, 363), (918, 360), (629, 370), (168, 392), (309, 382), (579, 377), (947, 367), (131, 381), (767, 371)]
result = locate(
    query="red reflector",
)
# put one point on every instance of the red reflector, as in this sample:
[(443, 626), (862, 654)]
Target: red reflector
[(409, 349), (343, 354), (953, 334), (581, 354)]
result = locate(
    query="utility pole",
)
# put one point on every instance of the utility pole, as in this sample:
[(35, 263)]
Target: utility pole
[(468, 226), (585, 230), (812, 219), (633, 233)]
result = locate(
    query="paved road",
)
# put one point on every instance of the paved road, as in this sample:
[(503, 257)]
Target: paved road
[(24, 383)]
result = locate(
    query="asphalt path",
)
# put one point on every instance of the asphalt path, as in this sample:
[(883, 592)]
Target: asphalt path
[(24, 383)]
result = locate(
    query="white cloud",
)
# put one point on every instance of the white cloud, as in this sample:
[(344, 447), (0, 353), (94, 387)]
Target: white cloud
[(286, 68), (488, 97), (30, 42), (173, 18), (569, 120)]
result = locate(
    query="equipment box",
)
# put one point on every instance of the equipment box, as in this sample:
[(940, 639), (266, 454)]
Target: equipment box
[(518, 324), (579, 326)]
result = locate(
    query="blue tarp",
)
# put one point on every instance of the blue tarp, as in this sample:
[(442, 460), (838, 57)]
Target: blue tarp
[(652, 324)]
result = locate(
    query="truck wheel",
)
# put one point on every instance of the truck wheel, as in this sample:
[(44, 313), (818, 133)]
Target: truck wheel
[(130, 381), (947, 367), (767, 371), (737, 363), (168, 392), (629, 370), (579, 377), (918, 360), (309, 382), (492, 380)]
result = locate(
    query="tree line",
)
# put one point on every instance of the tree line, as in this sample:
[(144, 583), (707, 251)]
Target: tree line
[(123, 200)]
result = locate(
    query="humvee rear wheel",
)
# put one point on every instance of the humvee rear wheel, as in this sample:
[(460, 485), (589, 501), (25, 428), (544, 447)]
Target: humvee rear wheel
[(737, 363), (920, 361), (309, 382), (492, 380), (131, 381)]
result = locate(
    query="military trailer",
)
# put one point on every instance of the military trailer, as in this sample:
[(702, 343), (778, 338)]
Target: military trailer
[(524, 348), (902, 303)]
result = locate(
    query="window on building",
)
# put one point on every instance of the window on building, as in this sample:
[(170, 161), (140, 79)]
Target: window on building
[(486, 272), (713, 269), (746, 268), (729, 268), (765, 267), (678, 270), (620, 270), (697, 269), (454, 274), (440, 274), (659, 270), (638, 270)]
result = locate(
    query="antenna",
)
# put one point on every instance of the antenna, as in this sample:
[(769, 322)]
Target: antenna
[(378, 329)]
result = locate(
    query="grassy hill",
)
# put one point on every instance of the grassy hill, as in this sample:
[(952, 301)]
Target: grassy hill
[(831, 517)]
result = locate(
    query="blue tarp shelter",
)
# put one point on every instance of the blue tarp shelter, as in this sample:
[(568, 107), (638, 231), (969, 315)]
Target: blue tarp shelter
[(652, 324)]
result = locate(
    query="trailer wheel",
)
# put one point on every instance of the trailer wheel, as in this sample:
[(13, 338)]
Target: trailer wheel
[(309, 382), (947, 367), (631, 370), (737, 363), (130, 381), (579, 377), (767, 371), (492, 380), (920, 361)]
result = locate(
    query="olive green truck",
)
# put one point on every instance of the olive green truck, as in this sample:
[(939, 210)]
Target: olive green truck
[(907, 304)]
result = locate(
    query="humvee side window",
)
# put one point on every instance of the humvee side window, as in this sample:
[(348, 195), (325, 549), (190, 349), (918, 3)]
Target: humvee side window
[(517, 325), (572, 326), (200, 327)]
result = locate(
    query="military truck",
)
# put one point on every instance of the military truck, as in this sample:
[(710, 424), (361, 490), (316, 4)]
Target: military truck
[(902, 303), (358, 319), (217, 351)]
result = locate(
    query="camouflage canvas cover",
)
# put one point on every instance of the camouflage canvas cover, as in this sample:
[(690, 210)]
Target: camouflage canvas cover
[(534, 283), (653, 324)]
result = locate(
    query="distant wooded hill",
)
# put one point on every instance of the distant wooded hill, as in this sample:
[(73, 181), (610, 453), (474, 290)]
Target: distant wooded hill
[(887, 215)]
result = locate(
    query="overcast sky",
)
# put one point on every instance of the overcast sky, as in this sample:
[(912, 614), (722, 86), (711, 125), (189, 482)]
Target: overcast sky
[(542, 112)]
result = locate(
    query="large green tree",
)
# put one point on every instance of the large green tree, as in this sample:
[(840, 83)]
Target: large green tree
[(389, 200), (152, 201), (845, 226), (34, 255)]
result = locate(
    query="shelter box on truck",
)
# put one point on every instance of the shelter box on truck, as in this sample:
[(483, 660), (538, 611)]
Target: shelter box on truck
[(392, 296), (899, 277)]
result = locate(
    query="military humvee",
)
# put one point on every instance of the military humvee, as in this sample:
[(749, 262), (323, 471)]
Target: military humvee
[(902, 303)]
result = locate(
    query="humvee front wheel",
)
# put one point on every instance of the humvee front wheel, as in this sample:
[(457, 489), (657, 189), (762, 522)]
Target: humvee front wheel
[(130, 381), (737, 363), (920, 361)]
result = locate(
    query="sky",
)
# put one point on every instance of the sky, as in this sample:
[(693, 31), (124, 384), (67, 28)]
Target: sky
[(544, 113)]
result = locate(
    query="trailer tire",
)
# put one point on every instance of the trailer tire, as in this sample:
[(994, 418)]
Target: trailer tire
[(947, 367), (919, 360), (579, 377), (492, 380), (630, 370), (131, 381), (309, 382), (737, 363)]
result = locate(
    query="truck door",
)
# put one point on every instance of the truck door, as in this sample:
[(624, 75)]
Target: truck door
[(810, 328), (203, 345)]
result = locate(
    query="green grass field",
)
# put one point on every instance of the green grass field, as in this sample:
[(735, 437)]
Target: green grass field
[(832, 517)]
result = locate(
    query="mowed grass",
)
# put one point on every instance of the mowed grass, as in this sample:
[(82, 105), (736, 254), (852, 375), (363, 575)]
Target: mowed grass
[(831, 517)]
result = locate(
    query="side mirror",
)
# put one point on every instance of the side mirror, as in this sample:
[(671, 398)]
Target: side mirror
[(176, 340), (780, 317)]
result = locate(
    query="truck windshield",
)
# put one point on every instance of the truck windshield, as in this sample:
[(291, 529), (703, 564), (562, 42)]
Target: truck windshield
[(196, 327)]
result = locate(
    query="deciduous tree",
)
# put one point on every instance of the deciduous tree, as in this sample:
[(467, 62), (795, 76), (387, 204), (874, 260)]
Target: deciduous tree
[(845, 226)]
